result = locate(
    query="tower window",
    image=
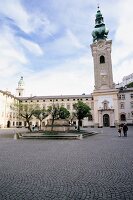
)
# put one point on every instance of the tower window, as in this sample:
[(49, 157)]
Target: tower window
[(102, 59), (123, 117)]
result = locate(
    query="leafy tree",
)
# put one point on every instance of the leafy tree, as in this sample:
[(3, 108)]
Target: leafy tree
[(54, 112), (63, 113), (81, 110), (57, 112), (40, 114), (130, 85)]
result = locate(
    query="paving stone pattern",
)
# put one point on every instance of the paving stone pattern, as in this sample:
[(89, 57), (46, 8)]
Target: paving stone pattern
[(99, 167)]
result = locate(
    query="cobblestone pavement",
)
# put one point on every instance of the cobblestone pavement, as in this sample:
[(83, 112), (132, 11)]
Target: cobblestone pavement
[(99, 167)]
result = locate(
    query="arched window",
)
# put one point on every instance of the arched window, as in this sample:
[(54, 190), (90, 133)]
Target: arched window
[(102, 59), (123, 117)]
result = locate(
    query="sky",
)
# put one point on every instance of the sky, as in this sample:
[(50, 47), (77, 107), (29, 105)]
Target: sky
[(48, 43)]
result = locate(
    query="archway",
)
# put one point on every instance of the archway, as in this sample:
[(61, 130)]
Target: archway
[(106, 121), (8, 124)]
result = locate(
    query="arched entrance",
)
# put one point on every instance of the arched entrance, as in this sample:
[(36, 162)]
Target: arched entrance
[(8, 124), (106, 121)]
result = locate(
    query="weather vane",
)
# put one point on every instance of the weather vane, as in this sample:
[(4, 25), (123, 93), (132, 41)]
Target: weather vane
[(98, 6)]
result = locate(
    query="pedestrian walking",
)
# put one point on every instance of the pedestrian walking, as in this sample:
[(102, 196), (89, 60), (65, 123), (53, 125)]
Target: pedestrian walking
[(120, 130), (33, 127), (125, 129)]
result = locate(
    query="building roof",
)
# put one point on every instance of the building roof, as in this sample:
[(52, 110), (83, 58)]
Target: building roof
[(9, 94), (56, 97), (123, 90)]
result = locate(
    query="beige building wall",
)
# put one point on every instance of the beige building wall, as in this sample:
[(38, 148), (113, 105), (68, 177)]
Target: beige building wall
[(8, 115), (66, 101)]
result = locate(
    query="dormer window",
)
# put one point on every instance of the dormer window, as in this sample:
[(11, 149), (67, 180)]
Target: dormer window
[(102, 59)]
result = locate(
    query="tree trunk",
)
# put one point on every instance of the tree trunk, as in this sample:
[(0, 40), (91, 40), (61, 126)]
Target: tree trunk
[(29, 126), (52, 125), (40, 124), (79, 125)]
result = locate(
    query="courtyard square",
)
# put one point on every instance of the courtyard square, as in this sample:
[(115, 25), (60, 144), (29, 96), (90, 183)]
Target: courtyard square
[(97, 167)]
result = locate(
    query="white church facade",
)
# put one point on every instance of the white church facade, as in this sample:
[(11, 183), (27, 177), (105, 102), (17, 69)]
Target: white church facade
[(109, 106)]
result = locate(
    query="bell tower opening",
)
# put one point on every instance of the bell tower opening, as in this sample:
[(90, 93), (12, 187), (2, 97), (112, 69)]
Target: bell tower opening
[(102, 59)]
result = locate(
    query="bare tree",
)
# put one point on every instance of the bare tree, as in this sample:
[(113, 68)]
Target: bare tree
[(26, 111)]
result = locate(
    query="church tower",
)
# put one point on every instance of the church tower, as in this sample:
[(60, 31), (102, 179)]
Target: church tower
[(104, 94), (20, 88), (101, 52)]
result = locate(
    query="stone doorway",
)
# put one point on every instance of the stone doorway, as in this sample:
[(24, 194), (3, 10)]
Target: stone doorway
[(106, 121), (8, 124)]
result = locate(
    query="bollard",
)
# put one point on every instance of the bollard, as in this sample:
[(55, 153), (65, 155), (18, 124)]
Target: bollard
[(16, 136), (80, 137)]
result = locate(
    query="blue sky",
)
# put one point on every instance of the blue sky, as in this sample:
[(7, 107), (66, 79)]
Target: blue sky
[(48, 43)]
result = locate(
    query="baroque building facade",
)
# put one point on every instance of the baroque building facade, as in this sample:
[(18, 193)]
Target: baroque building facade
[(109, 106)]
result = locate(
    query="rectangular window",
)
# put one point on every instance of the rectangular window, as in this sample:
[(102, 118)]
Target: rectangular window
[(131, 104), (92, 105), (123, 96), (43, 106), (131, 96), (90, 118), (121, 105), (68, 107)]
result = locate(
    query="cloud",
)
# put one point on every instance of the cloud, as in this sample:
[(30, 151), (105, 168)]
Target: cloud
[(123, 43), (14, 10), (11, 52), (73, 39), (48, 44), (32, 47), (26, 21), (71, 78)]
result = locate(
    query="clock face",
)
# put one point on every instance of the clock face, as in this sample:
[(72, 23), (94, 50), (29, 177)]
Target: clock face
[(100, 45)]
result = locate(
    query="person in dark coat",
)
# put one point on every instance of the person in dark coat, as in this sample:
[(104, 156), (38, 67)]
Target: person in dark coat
[(125, 129)]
